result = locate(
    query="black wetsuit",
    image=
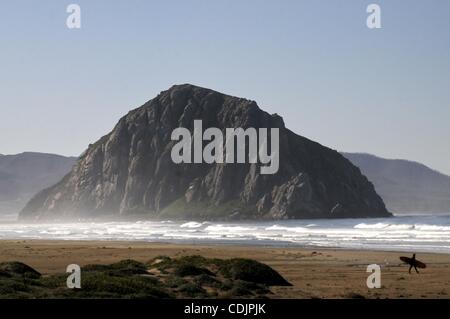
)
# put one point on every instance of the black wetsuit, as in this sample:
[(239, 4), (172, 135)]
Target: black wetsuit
[(412, 263)]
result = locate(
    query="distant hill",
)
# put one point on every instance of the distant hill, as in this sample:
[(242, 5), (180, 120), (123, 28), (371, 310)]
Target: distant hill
[(405, 186), (23, 175)]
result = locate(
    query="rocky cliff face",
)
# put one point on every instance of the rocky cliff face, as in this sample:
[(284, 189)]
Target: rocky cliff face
[(130, 171)]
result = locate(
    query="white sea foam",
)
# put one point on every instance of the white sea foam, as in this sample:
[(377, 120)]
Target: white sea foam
[(191, 225), (415, 233), (371, 226), (384, 226)]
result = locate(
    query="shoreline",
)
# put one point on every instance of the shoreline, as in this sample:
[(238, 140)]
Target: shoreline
[(314, 272), (268, 245)]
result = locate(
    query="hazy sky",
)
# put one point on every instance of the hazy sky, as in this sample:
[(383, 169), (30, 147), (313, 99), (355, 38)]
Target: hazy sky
[(316, 63)]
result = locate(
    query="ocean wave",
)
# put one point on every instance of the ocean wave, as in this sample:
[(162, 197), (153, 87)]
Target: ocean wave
[(384, 226), (419, 233), (371, 226), (433, 228), (290, 229), (191, 225), (418, 227), (226, 228)]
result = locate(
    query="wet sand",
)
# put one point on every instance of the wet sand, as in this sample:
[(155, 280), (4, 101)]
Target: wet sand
[(314, 273)]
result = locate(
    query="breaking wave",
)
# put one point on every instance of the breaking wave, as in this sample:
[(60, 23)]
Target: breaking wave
[(407, 233)]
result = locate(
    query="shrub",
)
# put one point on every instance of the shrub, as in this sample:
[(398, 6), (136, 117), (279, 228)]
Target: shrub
[(252, 271), (18, 269)]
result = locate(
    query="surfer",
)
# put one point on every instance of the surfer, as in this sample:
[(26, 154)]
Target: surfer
[(413, 262)]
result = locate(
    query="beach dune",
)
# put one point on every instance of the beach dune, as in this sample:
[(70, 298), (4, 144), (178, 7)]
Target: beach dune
[(314, 273)]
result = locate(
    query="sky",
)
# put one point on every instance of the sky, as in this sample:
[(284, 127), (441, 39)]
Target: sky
[(316, 63)]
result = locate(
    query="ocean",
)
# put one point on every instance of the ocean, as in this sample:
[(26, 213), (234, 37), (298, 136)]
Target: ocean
[(401, 233)]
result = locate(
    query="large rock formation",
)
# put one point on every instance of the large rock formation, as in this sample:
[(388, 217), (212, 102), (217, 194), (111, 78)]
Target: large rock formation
[(130, 171)]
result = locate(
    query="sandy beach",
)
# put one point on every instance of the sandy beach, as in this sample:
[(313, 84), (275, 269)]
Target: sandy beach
[(314, 273)]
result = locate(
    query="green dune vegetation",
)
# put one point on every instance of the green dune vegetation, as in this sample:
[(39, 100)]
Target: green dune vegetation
[(161, 277)]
